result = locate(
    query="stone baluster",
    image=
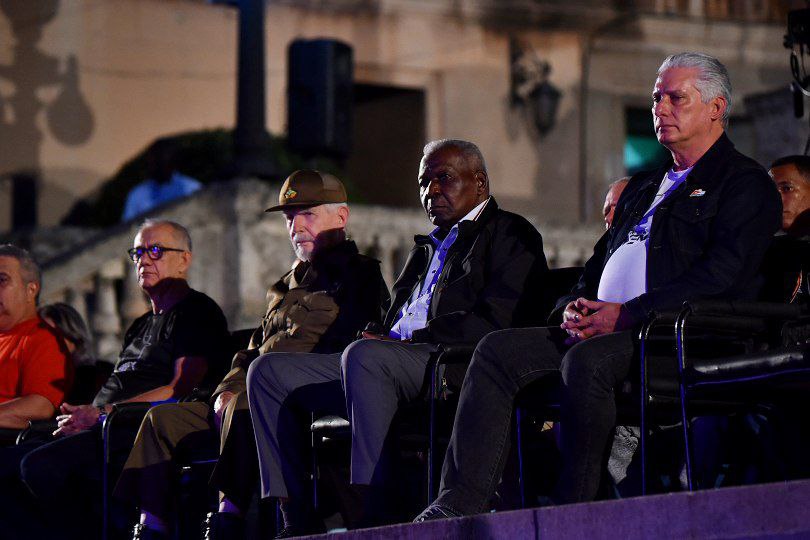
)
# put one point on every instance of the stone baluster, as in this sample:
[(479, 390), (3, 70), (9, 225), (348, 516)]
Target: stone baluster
[(552, 255), (105, 320), (76, 297)]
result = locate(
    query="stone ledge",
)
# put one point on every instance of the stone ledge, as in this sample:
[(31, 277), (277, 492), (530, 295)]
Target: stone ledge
[(763, 511)]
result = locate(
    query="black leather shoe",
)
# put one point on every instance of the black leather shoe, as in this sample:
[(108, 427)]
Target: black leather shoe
[(296, 530), (142, 532), (223, 526), (434, 512)]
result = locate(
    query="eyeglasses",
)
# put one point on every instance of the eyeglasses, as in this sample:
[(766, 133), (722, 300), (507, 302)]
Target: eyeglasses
[(154, 252)]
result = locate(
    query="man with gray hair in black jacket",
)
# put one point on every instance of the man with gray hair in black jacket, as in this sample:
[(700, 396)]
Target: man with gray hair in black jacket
[(695, 228)]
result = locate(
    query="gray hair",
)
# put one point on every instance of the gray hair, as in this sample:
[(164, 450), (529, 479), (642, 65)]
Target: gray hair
[(333, 207), (713, 80), (29, 269), (73, 328), (472, 154), (180, 232)]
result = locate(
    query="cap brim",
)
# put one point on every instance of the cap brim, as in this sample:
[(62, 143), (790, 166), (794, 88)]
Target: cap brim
[(301, 204)]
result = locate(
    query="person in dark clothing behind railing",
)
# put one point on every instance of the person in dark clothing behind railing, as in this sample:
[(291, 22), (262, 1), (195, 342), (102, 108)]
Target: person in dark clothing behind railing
[(164, 183), (166, 353), (695, 228), (789, 255)]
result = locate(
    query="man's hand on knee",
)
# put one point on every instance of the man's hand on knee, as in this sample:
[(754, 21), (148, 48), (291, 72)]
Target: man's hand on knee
[(597, 318), (75, 418), (382, 337), (219, 407)]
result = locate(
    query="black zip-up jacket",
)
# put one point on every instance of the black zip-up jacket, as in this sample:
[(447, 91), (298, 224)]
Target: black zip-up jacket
[(492, 279), (708, 237)]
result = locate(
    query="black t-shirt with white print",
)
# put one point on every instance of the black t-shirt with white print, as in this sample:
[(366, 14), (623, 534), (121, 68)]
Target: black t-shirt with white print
[(195, 326)]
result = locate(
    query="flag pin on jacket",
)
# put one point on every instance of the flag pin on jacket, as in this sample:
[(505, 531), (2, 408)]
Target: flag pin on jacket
[(698, 193)]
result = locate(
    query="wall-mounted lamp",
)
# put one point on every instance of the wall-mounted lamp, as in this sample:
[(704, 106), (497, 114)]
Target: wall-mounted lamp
[(530, 88)]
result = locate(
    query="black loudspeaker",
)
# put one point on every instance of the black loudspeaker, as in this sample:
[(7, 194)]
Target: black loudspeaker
[(319, 97), (24, 195)]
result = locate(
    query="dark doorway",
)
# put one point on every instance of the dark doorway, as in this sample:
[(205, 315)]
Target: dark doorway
[(388, 134), (641, 148)]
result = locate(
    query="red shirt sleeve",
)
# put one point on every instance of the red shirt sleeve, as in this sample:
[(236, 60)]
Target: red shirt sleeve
[(46, 368)]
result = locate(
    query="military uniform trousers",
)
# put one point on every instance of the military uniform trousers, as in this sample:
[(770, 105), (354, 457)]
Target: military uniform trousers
[(181, 432)]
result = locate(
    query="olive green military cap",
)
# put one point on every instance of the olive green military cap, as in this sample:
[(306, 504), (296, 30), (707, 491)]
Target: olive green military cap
[(308, 187)]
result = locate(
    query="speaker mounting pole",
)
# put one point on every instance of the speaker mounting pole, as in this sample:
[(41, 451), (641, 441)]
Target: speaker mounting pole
[(251, 139)]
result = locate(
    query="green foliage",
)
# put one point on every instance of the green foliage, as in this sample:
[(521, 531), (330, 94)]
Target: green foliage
[(205, 155)]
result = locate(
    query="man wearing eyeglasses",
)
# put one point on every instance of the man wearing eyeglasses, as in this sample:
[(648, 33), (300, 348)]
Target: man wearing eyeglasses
[(166, 354), (319, 306)]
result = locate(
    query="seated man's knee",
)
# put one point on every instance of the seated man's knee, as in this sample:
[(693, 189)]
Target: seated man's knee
[(158, 416), (581, 364), (492, 344), (489, 356), (262, 370), (273, 372), (362, 359)]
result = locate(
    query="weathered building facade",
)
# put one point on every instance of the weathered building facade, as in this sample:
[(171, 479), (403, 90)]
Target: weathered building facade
[(86, 84)]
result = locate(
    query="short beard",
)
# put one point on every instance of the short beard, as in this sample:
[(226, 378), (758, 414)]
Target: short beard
[(302, 254), (325, 239)]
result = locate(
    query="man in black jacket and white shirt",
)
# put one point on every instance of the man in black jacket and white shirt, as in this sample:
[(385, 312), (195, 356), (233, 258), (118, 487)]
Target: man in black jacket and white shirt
[(475, 273), (697, 228)]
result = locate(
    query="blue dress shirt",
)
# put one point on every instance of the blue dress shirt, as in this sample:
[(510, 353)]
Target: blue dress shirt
[(413, 314)]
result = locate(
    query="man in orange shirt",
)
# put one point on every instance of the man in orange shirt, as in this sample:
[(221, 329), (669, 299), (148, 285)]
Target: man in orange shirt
[(35, 370)]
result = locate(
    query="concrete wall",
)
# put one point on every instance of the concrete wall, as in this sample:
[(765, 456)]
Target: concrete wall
[(144, 68)]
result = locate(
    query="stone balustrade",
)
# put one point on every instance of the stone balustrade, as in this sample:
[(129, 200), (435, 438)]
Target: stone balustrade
[(239, 251)]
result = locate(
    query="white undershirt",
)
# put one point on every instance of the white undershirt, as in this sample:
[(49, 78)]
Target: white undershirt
[(625, 274)]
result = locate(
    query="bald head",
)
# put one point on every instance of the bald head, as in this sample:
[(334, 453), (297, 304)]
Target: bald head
[(612, 198)]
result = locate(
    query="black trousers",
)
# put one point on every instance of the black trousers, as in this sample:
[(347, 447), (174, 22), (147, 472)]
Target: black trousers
[(506, 362), (63, 481)]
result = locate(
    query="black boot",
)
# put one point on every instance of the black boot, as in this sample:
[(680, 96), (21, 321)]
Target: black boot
[(142, 532), (223, 526), (299, 520), (291, 531)]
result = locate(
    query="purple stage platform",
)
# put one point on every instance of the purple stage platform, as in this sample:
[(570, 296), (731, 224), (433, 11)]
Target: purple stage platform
[(764, 511)]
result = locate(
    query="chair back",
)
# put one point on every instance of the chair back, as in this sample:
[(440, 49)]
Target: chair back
[(221, 365), (784, 270)]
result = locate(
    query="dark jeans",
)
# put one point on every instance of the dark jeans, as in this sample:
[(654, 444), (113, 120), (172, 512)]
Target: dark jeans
[(504, 363), (19, 512), (64, 480)]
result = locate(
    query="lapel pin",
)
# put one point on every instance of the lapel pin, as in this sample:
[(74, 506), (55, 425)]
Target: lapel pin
[(698, 193)]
